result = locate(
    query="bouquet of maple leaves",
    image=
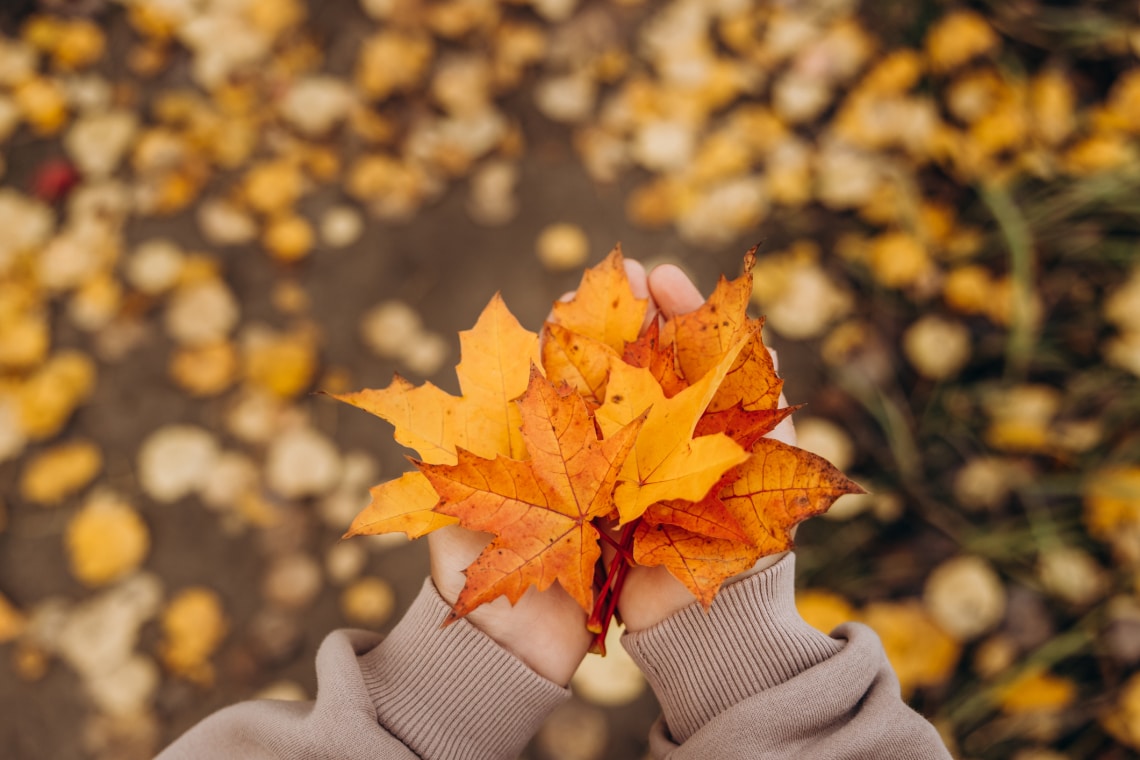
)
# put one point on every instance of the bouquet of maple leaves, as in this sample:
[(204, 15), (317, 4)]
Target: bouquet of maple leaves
[(650, 440)]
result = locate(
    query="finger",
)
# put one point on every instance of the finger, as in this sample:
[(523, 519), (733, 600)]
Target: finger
[(673, 291), (639, 284), (638, 280)]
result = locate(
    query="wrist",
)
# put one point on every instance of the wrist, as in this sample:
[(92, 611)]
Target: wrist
[(701, 663), (545, 630), (471, 698), (652, 594), (548, 636)]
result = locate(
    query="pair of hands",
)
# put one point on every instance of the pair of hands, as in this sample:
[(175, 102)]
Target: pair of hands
[(547, 629)]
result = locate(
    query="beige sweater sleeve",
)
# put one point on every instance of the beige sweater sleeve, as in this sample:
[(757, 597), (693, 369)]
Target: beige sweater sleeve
[(422, 692), (751, 679)]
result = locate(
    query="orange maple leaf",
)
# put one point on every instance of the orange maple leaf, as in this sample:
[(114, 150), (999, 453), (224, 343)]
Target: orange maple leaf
[(496, 358), (604, 307), (540, 510), (779, 487), (659, 357), (741, 425), (702, 337), (707, 517), (572, 358), (700, 562), (775, 489)]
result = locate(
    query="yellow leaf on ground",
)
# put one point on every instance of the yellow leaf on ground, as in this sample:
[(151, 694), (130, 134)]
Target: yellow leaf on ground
[(12, 621), (823, 610), (1037, 691), (368, 601), (56, 473), (283, 364), (48, 398), (1112, 501), (205, 370), (1123, 719), (920, 652), (193, 625), (106, 540)]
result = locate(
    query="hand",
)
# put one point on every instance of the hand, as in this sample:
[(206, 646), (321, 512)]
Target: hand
[(651, 594), (545, 629)]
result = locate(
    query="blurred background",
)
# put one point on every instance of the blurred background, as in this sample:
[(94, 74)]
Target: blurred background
[(212, 208)]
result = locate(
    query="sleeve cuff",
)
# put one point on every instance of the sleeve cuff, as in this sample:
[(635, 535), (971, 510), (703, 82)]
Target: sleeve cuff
[(751, 639), (453, 692)]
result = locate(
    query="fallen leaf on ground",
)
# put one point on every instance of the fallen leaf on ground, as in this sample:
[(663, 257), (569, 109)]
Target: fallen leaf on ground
[(193, 625), (54, 474), (106, 540)]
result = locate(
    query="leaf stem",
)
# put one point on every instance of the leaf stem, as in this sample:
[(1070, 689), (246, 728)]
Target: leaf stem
[(614, 544), (606, 606)]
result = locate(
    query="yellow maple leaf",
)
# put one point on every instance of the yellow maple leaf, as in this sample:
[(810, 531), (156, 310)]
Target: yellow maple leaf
[(604, 307), (496, 358), (404, 504), (582, 362), (667, 462)]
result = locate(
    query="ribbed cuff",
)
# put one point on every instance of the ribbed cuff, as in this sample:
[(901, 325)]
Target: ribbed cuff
[(453, 692), (700, 664)]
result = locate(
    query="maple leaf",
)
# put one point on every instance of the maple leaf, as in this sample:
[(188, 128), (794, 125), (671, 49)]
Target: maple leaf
[(741, 425), (708, 517), (582, 362), (497, 355), (752, 381), (700, 562), (604, 307), (667, 462), (540, 510), (659, 357), (405, 504), (702, 337), (777, 488)]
